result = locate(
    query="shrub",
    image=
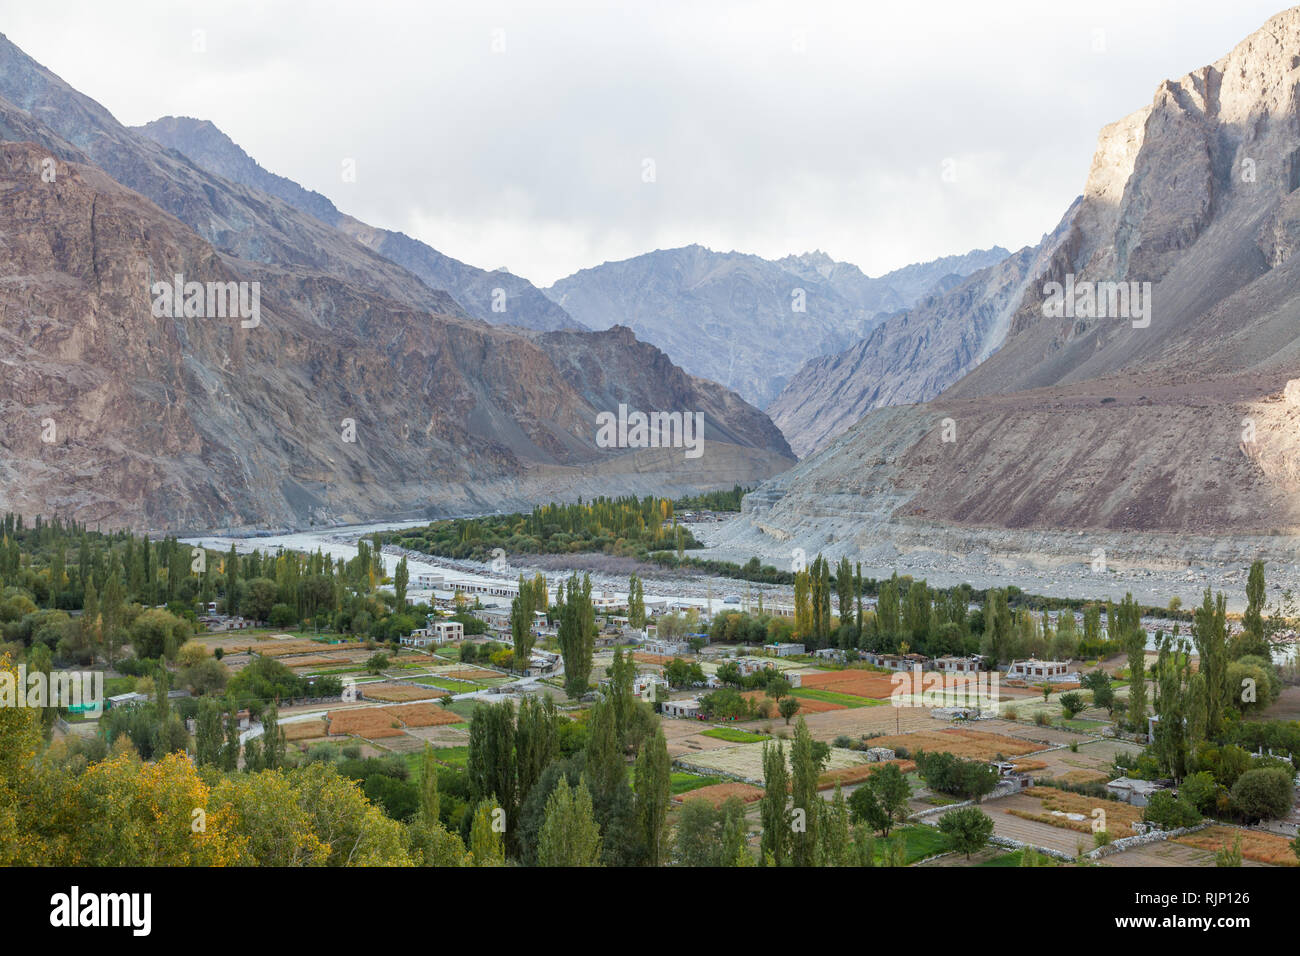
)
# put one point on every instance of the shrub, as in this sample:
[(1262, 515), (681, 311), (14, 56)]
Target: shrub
[(1041, 718), (1071, 704), (1170, 812), (1263, 794)]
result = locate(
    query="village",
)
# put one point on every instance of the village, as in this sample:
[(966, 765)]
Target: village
[(1056, 753)]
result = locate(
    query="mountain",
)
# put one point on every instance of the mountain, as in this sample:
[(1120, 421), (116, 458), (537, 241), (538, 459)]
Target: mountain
[(358, 391), (518, 303), (913, 355), (1172, 432), (741, 320)]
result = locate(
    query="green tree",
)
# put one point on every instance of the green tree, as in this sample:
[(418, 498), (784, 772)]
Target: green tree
[(804, 772), (490, 764), (653, 792), (521, 624), (1210, 633), (569, 835), (272, 739), (1251, 640), (487, 834), (967, 829), (208, 737), (401, 578), (1264, 793), (576, 634), (772, 806)]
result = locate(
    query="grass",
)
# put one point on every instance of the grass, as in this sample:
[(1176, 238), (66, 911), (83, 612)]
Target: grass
[(831, 697), (118, 685), (922, 841), (735, 736), (682, 782), (1082, 724)]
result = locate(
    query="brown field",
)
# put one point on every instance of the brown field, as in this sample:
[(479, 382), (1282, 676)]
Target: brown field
[(718, 793), (274, 648), (377, 722), (305, 729), (847, 776), (857, 683), (959, 742), (369, 722), (1030, 766), (858, 721), (316, 661), (1270, 848), (399, 693), (1120, 817), (1084, 776), (425, 715), (650, 658)]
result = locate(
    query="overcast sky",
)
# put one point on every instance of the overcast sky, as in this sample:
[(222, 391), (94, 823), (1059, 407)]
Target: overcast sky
[(518, 134)]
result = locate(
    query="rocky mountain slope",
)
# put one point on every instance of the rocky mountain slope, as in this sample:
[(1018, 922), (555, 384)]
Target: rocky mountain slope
[(519, 301), (913, 355), (1170, 434), (735, 318), (360, 392)]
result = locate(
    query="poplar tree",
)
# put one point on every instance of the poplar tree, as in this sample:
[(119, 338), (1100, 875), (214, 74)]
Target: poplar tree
[(401, 577), (772, 805), (569, 834), (1210, 634), (803, 792), (653, 788), (521, 625), (208, 737), (486, 839), (577, 635)]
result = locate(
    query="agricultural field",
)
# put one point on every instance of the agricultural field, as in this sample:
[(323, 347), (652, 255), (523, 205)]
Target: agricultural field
[(719, 793), (735, 736), (960, 742), (305, 729), (849, 776), (1270, 849), (1031, 831), (375, 723), (1072, 811), (401, 693), (853, 682), (745, 761)]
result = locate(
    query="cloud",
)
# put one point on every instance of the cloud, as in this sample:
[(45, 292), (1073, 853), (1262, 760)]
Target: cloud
[(516, 134)]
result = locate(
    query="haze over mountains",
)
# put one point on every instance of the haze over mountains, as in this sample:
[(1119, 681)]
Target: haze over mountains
[(1172, 440), (748, 322), (115, 415), (518, 303), (912, 355)]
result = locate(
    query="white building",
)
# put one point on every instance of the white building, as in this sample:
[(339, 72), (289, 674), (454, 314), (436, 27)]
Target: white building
[(437, 633), (680, 708), (784, 650), (667, 648), (1036, 670)]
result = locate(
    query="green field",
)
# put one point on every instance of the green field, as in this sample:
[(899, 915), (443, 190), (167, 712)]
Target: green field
[(683, 782), (832, 697), (735, 736)]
